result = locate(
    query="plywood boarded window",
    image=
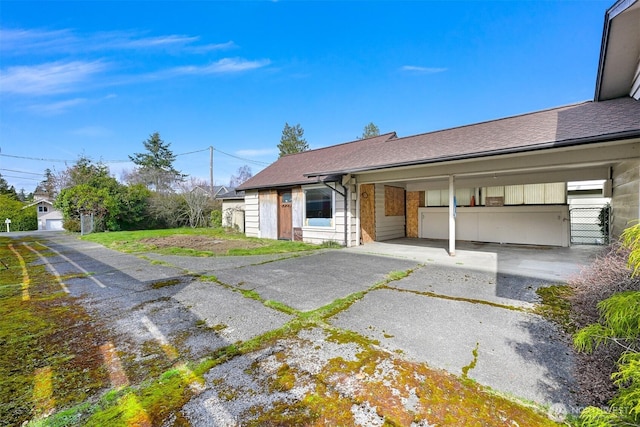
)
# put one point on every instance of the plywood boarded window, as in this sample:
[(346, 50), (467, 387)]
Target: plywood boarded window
[(393, 201)]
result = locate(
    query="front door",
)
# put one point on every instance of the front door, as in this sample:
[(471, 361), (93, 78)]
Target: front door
[(284, 215)]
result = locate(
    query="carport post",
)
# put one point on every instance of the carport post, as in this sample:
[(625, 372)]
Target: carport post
[(452, 216)]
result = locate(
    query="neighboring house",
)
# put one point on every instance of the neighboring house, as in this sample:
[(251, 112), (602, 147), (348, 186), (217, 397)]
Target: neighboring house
[(501, 181), (217, 190), (233, 209), (48, 217)]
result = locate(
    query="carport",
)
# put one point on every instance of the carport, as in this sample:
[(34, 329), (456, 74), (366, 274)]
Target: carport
[(503, 187)]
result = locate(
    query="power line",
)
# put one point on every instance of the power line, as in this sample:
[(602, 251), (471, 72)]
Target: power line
[(28, 173), (242, 158), (21, 177), (41, 159)]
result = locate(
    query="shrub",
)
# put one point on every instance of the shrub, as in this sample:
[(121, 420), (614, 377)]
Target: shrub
[(619, 326), (71, 224), (216, 218)]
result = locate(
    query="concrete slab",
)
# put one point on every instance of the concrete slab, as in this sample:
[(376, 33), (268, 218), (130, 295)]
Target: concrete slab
[(308, 283), (551, 264), (517, 353)]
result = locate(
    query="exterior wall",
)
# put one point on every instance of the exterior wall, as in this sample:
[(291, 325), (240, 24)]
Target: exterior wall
[(530, 225), (251, 214), (51, 214), (387, 227), (625, 201), (297, 207), (233, 214)]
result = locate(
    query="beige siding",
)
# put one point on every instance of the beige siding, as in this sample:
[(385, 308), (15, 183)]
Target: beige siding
[(625, 201), (387, 227), (353, 220), (252, 214), (297, 207)]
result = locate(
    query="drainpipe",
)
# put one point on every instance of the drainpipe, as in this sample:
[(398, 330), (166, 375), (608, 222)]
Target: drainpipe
[(452, 216), (344, 197)]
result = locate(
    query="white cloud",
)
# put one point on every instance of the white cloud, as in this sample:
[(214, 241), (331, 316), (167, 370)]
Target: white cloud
[(18, 41), (422, 70), (48, 78), (21, 41), (225, 65), (212, 47), (55, 108)]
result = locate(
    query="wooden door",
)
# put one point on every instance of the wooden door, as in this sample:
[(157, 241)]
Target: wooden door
[(284, 215), (367, 213)]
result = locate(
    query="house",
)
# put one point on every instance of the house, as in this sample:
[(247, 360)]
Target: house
[(500, 181), (233, 209), (49, 218)]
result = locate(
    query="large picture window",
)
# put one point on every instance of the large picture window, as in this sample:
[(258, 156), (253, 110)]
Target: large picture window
[(318, 207)]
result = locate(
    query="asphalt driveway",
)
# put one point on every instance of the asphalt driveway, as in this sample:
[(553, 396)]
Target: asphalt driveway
[(470, 311)]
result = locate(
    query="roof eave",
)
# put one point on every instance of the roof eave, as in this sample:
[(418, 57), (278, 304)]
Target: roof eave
[(615, 10), (328, 178)]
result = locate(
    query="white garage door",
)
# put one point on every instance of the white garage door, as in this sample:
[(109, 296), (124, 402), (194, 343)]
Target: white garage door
[(54, 224)]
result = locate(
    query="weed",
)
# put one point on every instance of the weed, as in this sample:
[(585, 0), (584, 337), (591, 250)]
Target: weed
[(165, 283), (472, 365), (556, 306)]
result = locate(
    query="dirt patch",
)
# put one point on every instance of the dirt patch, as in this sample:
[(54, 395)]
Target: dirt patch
[(199, 243)]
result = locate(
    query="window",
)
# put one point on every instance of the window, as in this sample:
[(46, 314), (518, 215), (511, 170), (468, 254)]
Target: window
[(319, 207), (42, 209)]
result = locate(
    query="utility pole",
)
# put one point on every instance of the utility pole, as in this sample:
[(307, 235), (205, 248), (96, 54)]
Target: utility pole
[(211, 169)]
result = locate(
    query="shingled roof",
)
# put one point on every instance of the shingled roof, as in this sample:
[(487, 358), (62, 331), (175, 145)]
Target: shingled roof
[(582, 123), (291, 169)]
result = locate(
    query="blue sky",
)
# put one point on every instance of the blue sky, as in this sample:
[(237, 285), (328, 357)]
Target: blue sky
[(97, 78)]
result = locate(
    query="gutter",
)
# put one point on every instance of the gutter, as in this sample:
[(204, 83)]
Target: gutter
[(544, 146)]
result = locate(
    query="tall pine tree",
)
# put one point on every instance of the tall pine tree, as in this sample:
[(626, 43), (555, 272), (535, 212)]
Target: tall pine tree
[(292, 140)]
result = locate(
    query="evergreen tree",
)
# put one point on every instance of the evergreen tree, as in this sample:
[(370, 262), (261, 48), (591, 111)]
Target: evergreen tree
[(156, 165), (370, 131), (292, 140)]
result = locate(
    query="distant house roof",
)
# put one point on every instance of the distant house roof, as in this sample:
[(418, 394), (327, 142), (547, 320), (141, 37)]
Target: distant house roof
[(582, 123), (232, 195), (38, 201)]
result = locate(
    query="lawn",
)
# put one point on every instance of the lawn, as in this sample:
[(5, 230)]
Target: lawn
[(195, 242)]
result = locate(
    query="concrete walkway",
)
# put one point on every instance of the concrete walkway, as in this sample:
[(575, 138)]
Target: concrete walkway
[(471, 311)]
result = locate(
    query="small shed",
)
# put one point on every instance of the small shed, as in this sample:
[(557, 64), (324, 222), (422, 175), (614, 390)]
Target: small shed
[(233, 209)]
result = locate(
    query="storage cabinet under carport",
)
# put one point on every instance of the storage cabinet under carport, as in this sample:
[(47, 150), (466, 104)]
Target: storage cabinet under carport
[(531, 225)]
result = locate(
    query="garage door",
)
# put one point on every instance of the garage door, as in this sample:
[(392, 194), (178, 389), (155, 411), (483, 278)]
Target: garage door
[(54, 224)]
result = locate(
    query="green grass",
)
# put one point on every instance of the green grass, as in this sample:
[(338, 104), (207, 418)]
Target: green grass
[(49, 357), (131, 242), (555, 305)]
